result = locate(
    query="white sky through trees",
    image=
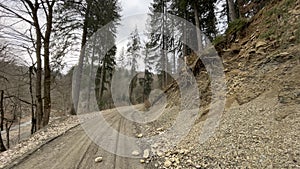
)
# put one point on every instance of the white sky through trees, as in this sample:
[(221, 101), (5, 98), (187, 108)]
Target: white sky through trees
[(129, 9), (132, 15)]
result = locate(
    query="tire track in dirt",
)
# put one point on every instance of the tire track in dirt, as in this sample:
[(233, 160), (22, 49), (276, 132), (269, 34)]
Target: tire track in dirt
[(116, 147), (126, 127)]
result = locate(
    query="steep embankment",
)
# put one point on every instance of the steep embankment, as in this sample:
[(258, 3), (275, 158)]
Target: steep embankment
[(260, 126), (262, 56)]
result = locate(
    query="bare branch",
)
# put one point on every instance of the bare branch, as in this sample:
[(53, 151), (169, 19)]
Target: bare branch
[(15, 13), (30, 4), (12, 96), (16, 34), (44, 8), (28, 10)]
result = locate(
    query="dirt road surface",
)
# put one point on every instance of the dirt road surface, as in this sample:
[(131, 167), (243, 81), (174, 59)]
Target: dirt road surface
[(76, 150)]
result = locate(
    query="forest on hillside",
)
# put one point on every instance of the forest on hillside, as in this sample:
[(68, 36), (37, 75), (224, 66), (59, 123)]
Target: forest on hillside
[(38, 37)]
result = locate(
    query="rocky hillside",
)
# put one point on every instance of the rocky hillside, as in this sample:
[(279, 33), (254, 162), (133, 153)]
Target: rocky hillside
[(260, 126), (262, 54)]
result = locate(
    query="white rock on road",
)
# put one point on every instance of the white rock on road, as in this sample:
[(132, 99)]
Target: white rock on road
[(135, 153), (146, 153), (98, 159), (139, 135)]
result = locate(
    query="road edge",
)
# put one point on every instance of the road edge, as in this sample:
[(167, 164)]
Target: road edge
[(30, 152)]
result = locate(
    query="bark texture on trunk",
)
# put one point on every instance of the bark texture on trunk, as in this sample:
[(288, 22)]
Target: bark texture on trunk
[(33, 118), (47, 77), (232, 13), (38, 85), (78, 73), (2, 147), (2, 110)]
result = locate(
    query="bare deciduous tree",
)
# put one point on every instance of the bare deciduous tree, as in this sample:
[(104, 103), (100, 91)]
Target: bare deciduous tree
[(35, 14)]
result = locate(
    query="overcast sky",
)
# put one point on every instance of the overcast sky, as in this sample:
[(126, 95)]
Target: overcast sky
[(133, 7), (133, 13)]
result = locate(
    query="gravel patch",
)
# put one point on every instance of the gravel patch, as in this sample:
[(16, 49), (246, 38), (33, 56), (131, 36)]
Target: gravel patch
[(54, 129), (249, 136)]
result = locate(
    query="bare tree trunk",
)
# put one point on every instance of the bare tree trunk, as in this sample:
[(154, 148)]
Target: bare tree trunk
[(102, 78), (38, 91), (78, 73), (231, 10), (8, 125), (33, 118), (164, 56), (32, 9), (2, 110), (2, 147), (19, 115), (7, 135), (38, 87), (91, 74), (47, 85), (199, 35), (47, 78), (133, 84)]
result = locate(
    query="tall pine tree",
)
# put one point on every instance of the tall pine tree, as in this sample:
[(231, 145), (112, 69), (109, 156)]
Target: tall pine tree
[(89, 16)]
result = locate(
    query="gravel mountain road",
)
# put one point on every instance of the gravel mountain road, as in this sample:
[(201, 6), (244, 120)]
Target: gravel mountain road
[(76, 150)]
